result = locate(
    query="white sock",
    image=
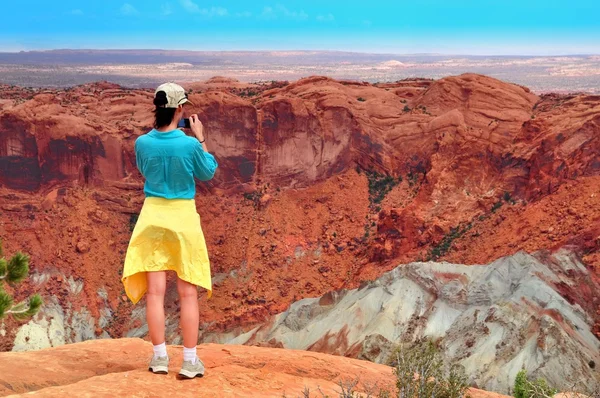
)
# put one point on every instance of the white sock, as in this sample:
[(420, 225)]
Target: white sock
[(189, 354), (160, 350)]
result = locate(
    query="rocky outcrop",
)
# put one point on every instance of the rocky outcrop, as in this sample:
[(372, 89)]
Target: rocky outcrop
[(74, 135), (295, 134), (106, 368), (487, 170), (232, 133), (533, 312)]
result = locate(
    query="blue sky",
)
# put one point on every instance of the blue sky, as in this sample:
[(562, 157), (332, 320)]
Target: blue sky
[(491, 27)]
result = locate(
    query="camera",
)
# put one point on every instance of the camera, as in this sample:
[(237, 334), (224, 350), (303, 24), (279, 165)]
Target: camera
[(185, 123)]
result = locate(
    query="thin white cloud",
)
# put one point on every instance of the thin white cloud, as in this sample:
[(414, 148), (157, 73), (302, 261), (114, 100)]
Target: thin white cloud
[(166, 9), (366, 22), (325, 18), (214, 12), (299, 15), (268, 13), (190, 6), (76, 12), (128, 9), (211, 12), (283, 12), (245, 14)]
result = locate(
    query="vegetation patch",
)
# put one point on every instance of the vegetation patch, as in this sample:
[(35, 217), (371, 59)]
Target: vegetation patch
[(420, 373), (413, 179), (526, 387), (434, 379), (380, 185), (248, 93), (446, 243), (506, 198), (258, 88), (444, 246), (423, 109), (12, 272)]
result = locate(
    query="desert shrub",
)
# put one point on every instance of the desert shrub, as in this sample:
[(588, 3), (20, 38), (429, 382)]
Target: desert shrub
[(526, 387), (506, 197), (497, 205), (348, 390), (446, 243), (413, 178), (420, 373), (380, 185), (247, 93)]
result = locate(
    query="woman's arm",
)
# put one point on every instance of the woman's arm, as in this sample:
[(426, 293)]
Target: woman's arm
[(205, 164), (198, 130)]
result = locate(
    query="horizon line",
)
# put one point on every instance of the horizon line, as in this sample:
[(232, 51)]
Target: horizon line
[(433, 54)]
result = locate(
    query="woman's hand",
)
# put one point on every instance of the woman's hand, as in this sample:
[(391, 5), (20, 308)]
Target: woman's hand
[(197, 127)]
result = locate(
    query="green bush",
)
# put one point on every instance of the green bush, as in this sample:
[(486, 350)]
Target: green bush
[(12, 272), (497, 205), (413, 178), (520, 388), (380, 185), (446, 243), (526, 387)]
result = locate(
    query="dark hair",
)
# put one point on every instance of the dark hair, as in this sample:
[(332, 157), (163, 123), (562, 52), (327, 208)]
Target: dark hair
[(162, 116)]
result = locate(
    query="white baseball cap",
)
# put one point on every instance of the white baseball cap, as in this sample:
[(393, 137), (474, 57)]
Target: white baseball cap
[(175, 95)]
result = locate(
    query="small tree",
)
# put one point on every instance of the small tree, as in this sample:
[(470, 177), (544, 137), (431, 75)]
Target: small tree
[(520, 390), (12, 272), (528, 388)]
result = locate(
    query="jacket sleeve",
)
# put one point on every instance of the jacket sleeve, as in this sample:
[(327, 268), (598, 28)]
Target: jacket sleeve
[(205, 164)]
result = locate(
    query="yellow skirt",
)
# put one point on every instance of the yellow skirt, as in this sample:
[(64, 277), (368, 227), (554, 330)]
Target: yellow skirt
[(167, 237)]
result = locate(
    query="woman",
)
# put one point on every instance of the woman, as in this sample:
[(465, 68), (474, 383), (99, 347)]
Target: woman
[(168, 236)]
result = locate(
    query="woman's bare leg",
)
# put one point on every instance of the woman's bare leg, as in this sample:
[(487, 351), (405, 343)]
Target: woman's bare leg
[(189, 317), (155, 305)]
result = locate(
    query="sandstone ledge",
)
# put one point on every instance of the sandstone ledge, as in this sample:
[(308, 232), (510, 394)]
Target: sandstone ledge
[(108, 368)]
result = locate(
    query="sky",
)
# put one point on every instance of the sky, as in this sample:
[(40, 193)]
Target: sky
[(473, 27)]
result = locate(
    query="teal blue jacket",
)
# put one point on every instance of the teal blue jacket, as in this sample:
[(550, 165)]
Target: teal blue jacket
[(170, 161)]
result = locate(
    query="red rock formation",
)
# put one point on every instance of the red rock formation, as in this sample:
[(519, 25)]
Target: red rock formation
[(67, 174)]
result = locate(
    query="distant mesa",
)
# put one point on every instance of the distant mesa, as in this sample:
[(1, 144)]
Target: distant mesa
[(222, 80), (391, 64), (175, 65), (215, 83)]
